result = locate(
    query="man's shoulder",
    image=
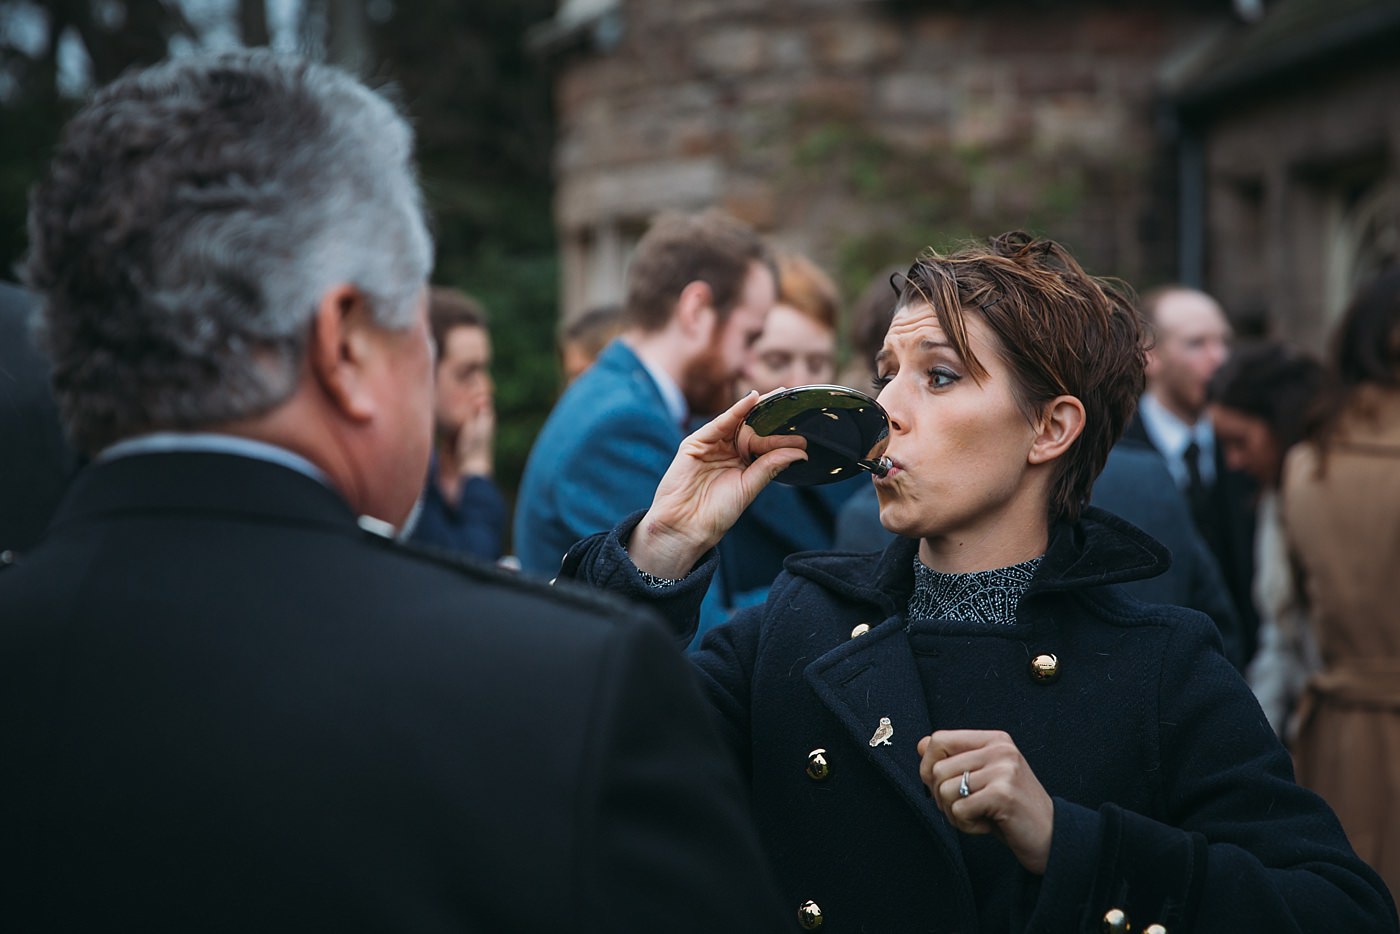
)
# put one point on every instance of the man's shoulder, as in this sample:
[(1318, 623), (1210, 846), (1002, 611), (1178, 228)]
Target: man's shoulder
[(442, 581), (1135, 435), (601, 408), (603, 391)]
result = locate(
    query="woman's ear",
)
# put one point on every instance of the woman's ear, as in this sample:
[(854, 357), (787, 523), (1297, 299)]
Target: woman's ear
[(1061, 422)]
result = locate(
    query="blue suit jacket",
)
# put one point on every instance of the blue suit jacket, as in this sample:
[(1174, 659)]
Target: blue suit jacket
[(599, 457), (783, 520), (1136, 485), (475, 527)]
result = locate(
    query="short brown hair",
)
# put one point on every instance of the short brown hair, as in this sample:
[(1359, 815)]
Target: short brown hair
[(711, 247), (803, 287), (1061, 331), (593, 329), (452, 308)]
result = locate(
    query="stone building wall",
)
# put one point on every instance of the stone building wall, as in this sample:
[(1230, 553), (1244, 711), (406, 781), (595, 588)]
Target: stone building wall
[(863, 130), (1303, 195)]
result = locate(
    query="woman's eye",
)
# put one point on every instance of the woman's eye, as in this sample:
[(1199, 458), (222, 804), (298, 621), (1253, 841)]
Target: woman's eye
[(880, 382), (939, 377)]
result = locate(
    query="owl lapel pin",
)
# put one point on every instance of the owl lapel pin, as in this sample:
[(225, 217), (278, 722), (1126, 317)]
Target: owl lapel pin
[(883, 733)]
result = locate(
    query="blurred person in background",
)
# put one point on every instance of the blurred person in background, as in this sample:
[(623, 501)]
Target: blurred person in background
[(1260, 399), (978, 720), (1190, 339), (461, 510), (797, 348), (229, 699), (1341, 510), (583, 339), (699, 287)]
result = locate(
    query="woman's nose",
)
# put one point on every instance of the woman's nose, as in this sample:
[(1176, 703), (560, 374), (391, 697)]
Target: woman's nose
[(886, 398)]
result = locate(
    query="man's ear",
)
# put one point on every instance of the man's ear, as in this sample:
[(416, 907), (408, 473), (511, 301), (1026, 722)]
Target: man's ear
[(1061, 422), (341, 344), (695, 311), (1154, 365)]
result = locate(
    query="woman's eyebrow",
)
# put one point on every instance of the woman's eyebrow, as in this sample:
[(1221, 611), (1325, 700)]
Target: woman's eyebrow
[(925, 346)]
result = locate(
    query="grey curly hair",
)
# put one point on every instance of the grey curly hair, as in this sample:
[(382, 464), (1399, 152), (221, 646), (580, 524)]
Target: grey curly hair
[(193, 216)]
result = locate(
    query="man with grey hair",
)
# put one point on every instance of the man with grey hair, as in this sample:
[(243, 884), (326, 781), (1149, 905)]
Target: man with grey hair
[(224, 703)]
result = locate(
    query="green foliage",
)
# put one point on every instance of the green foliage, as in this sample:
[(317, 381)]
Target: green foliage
[(481, 110), (519, 292), (32, 111), (30, 128)]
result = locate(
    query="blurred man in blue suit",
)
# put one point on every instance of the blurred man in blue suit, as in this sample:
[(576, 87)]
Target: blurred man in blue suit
[(698, 290)]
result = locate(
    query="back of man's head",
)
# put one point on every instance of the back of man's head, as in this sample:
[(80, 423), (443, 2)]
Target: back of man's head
[(710, 247), (194, 215)]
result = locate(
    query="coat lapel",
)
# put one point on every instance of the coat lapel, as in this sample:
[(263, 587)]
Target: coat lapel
[(875, 676)]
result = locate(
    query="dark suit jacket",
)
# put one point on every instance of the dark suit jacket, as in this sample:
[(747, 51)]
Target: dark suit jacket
[(1136, 485), (36, 462), (1229, 532), (224, 707)]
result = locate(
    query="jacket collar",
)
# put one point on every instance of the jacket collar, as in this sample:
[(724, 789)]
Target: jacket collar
[(188, 482), (620, 360), (1098, 549)]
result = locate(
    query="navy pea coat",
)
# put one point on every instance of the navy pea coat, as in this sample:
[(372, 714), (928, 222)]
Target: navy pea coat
[(1174, 802)]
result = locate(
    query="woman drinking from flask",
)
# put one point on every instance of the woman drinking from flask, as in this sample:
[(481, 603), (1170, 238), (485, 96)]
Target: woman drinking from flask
[(975, 730)]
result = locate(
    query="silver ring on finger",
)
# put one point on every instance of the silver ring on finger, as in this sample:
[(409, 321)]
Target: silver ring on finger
[(963, 789)]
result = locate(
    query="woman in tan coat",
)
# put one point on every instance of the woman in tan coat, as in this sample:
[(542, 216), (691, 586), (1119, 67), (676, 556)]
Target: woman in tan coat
[(1341, 500)]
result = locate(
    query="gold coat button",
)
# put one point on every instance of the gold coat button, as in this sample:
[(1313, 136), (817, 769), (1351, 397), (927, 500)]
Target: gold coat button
[(1115, 921), (810, 915), (860, 630), (817, 766), (1045, 668), (1155, 929)]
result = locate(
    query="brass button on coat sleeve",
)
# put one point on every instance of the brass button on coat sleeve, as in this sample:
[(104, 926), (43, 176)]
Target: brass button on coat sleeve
[(860, 630), (1115, 921), (817, 766), (810, 916), (1045, 668)]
